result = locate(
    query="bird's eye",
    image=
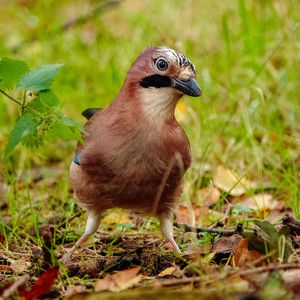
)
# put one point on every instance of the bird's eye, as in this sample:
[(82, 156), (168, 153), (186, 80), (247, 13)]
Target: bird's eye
[(161, 64)]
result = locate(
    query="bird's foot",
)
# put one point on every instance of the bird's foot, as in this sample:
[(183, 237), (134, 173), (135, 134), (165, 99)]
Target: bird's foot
[(174, 245)]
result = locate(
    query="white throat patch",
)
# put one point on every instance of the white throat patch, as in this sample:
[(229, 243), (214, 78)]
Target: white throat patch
[(159, 103)]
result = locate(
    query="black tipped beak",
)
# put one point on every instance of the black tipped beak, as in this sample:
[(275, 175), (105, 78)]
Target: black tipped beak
[(189, 87)]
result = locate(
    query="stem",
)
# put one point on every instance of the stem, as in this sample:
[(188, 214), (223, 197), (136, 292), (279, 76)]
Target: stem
[(198, 229), (21, 104), (24, 101), (11, 98)]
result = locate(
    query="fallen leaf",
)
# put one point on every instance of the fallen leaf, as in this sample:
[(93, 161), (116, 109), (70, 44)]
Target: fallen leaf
[(185, 215), (41, 286), (209, 195), (231, 183), (119, 281), (167, 272), (74, 289), (260, 202), (275, 217), (225, 247), (191, 216), (291, 278), (243, 256), (193, 251)]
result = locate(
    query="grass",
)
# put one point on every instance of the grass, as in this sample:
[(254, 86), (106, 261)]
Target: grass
[(247, 55)]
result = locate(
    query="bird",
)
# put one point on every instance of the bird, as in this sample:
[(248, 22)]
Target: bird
[(135, 153)]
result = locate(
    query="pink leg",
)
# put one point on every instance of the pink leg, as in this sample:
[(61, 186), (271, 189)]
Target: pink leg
[(92, 225), (166, 227)]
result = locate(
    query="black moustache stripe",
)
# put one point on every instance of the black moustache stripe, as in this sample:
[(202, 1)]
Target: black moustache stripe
[(156, 81)]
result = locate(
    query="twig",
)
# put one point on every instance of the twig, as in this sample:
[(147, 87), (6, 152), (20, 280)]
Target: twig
[(14, 287), (198, 229), (98, 9), (76, 21), (227, 213), (197, 279), (269, 268), (18, 102), (24, 101), (10, 97)]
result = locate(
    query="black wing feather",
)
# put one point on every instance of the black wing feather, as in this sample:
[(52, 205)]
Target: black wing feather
[(88, 113)]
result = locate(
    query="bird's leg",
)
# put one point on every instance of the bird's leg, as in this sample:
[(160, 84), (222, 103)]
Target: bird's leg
[(166, 228), (91, 227)]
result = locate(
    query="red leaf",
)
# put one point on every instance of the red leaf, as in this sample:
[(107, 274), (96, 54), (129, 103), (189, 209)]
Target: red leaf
[(41, 286), (2, 239)]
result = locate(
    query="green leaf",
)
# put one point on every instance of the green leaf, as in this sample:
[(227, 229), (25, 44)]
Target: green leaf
[(267, 232), (242, 208), (24, 126), (36, 105), (40, 78), (70, 122), (10, 72), (64, 132), (279, 241), (33, 140), (48, 99)]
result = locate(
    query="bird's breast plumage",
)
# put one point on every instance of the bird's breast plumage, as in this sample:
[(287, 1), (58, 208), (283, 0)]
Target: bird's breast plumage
[(124, 163)]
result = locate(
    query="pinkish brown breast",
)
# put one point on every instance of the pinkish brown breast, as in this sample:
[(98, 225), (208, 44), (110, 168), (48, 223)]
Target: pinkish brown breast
[(134, 168)]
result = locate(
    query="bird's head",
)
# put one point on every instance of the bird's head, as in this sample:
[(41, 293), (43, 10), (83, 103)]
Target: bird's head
[(159, 77)]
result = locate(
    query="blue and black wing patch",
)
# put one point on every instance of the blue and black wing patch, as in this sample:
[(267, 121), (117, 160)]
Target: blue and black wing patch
[(76, 159), (88, 113)]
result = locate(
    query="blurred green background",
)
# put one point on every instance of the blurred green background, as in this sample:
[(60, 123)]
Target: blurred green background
[(247, 56)]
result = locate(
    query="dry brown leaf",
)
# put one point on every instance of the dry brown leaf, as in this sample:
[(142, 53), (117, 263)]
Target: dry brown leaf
[(74, 289), (200, 213), (192, 250), (275, 216), (119, 281), (292, 280), (225, 247), (209, 195), (191, 216), (259, 202), (184, 215), (231, 183), (167, 272), (243, 256)]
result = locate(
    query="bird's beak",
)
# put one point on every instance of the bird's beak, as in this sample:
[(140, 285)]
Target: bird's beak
[(189, 87)]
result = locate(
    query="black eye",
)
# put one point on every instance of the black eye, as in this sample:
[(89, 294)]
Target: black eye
[(161, 64)]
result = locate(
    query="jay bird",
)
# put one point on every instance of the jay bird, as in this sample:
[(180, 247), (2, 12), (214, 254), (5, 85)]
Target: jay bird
[(135, 152)]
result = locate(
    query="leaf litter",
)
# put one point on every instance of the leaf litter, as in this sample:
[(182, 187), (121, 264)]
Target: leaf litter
[(124, 258)]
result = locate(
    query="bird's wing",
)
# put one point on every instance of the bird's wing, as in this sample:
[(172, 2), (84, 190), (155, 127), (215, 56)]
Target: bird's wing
[(88, 113)]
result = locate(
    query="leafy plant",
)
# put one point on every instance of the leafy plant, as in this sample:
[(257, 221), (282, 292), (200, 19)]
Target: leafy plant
[(40, 118), (279, 241)]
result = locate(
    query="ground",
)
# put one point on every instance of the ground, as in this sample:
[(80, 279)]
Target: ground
[(244, 135)]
